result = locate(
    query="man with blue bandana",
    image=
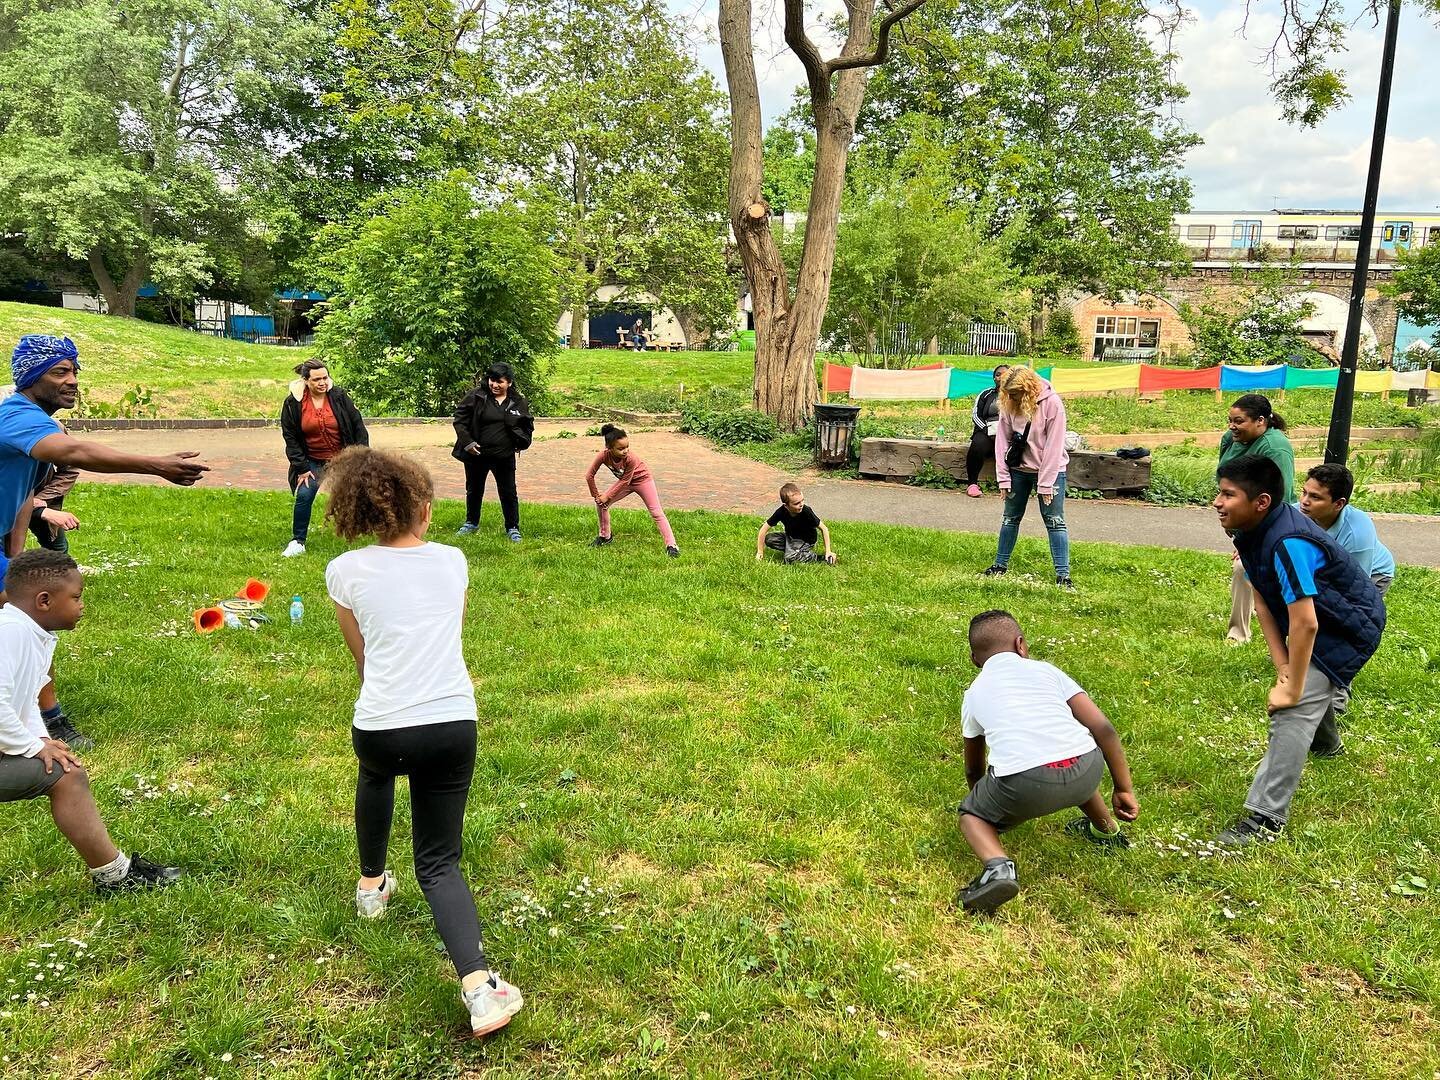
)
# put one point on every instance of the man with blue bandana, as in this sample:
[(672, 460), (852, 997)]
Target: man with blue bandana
[(45, 370)]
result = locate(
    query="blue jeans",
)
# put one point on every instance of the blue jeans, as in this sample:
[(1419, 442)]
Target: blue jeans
[(305, 500), (1021, 485)]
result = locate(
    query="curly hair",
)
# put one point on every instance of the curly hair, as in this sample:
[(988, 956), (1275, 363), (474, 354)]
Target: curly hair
[(375, 493), (1020, 392), (38, 570)]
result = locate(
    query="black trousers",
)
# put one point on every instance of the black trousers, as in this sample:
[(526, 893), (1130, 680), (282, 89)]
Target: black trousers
[(982, 449), (50, 536), (477, 467), (440, 761)]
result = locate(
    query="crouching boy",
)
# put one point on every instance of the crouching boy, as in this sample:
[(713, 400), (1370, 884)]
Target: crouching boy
[(1322, 617), (801, 530), (44, 590), (1048, 744)]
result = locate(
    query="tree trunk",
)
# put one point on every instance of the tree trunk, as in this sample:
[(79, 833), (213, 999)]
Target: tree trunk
[(119, 299), (579, 312), (787, 330), (695, 338)]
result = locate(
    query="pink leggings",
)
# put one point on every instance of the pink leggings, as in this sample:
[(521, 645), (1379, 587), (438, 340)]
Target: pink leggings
[(646, 490)]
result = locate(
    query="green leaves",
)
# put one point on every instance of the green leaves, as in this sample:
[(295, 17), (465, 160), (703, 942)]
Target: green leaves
[(432, 290)]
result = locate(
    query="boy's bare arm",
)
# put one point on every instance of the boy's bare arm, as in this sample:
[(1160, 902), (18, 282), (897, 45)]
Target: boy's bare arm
[(1127, 807), (1290, 684), (825, 532), (974, 760), (760, 539)]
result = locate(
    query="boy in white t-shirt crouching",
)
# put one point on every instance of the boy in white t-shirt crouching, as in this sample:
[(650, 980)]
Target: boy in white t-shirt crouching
[(1048, 747)]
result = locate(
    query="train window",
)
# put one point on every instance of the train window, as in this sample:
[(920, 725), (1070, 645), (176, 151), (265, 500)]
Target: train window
[(1342, 232), (1403, 232), (1200, 232), (1299, 232)]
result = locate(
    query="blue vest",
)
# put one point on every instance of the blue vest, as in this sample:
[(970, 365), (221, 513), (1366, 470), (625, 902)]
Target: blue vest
[(1348, 606)]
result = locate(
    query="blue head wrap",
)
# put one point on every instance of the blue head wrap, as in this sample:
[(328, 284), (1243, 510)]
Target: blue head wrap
[(37, 354)]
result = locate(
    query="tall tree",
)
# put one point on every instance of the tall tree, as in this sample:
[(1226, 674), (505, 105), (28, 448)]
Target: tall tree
[(787, 324), (122, 130), (604, 120), (1059, 116), (1416, 287)]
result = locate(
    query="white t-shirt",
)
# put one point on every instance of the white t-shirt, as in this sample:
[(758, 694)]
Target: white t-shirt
[(409, 603), (25, 653), (1020, 706)]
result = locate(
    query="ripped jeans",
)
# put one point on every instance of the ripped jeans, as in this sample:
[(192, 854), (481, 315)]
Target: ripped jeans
[(1022, 484)]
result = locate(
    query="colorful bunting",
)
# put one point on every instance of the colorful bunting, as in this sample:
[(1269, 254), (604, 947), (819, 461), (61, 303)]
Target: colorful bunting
[(1107, 377), (1155, 379), (1246, 379)]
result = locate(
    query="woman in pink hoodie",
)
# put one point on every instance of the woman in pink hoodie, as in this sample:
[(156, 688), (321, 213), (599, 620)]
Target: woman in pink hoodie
[(1030, 456)]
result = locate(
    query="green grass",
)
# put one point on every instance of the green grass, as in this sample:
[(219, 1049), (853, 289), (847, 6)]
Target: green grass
[(763, 764), (187, 374)]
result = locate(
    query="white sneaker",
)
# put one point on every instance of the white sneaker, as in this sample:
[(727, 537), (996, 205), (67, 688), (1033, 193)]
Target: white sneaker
[(491, 1007), (371, 903), (295, 547)]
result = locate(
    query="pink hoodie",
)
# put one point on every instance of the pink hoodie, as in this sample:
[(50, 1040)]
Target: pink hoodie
[(1045, 451)]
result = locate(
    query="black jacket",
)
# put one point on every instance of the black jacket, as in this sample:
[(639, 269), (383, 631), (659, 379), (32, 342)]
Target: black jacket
[(500, 431), (347, 418), (1348, 605)]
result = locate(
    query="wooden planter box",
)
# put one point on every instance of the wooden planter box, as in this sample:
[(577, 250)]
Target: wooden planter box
[(1089, 470)]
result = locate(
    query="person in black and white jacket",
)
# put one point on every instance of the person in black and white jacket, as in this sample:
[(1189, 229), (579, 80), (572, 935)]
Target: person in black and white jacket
[(985, 417), (492, 425)]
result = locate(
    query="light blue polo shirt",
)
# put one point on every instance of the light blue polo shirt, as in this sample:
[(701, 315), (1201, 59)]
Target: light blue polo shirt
[(22, 425), (1355, 532)]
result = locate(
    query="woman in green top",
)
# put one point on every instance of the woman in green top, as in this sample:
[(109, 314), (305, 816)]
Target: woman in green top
[(1255, 428)]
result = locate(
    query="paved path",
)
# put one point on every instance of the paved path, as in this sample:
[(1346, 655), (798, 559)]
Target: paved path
[(693, 476)]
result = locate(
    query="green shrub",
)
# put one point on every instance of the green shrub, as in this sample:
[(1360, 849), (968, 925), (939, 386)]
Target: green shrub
[(930, 475), (728, 426)]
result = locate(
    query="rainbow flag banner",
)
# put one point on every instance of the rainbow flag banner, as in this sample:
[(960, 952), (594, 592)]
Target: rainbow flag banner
[(936, 382)]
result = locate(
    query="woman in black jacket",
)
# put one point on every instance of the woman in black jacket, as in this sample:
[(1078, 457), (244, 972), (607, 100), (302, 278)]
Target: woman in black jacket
[(492, 425), (318, 420), (985, 417)]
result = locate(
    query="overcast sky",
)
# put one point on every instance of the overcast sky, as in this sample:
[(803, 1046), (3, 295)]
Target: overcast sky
[(1251, 159)]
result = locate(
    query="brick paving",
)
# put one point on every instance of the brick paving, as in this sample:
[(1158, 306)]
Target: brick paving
[(691, 475)]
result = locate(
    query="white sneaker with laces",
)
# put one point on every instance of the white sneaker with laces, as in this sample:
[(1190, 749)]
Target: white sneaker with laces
[(371, 903), (295, 547), (491, 1007)]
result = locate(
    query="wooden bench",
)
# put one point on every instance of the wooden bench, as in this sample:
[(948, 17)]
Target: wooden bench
[(1089, 470)]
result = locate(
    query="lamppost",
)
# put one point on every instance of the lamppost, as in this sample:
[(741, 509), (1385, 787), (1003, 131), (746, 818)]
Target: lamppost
[(1337, 442)]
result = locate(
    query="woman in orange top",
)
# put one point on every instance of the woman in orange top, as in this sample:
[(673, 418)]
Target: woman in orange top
[(318, 420)]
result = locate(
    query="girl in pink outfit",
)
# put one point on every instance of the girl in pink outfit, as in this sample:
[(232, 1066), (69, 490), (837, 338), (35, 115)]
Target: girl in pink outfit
[(1030, 456), (631, 475)]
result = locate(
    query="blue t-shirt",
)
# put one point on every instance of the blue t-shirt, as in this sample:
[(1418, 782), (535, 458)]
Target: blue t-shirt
[(1355, 532), (1296, 561), (22, 425)]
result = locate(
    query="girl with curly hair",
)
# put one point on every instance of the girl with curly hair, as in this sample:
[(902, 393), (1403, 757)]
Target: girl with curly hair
[(1030, 456), (400, 602)]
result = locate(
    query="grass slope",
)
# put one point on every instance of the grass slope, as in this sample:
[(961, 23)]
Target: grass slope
[(712, 830), (187, 374)]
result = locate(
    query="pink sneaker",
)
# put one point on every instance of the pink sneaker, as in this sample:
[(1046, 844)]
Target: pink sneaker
[(973, 491)]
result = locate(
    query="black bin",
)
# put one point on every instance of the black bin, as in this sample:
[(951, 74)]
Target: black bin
[(834, 432)]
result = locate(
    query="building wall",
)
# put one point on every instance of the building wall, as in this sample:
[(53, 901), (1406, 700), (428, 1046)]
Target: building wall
[(1174, 334), (663, 323)]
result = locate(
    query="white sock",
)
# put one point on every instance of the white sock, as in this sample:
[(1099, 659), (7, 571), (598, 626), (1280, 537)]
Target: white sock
[(112, 872)]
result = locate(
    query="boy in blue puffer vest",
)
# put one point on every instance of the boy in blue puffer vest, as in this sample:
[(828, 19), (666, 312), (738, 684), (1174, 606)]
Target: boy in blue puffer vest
[(1322, 617)]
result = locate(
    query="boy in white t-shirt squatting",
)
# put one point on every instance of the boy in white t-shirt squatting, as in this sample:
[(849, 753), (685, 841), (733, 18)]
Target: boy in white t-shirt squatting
[(1048, 746)]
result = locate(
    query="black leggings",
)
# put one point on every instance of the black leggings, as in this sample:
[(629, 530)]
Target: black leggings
[(440, 760), (982, 449), (477, 466)]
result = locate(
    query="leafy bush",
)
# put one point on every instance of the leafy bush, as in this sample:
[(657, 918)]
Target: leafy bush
[(930, 475), (427, 292), (728, 426), (1061, 337), (138, 401)]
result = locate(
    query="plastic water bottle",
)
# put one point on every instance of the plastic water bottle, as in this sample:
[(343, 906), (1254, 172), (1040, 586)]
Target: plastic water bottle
[(232, 621), (297, 611), (940, 434)]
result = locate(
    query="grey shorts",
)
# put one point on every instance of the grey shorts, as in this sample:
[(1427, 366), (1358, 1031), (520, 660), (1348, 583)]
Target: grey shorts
[(25, 777), (1382, 582), (1007, 801)]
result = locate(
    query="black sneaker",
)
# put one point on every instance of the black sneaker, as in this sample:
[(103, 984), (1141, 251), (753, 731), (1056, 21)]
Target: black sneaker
[(143, 874), (1335, 751), (995, 571), (600, 541), (673, 551), (1085, 828), (995, 885), (1064, 582), (61, 728), (1251, 829)]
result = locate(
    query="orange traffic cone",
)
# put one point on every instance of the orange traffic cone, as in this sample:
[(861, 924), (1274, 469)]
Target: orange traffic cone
[(208, 619), (254, 590)]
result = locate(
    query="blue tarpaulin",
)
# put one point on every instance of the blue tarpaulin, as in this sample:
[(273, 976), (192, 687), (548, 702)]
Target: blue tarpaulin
[(1248, 378)]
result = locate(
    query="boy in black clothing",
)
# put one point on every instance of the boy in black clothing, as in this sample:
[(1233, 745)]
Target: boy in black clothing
[(802, 529)]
